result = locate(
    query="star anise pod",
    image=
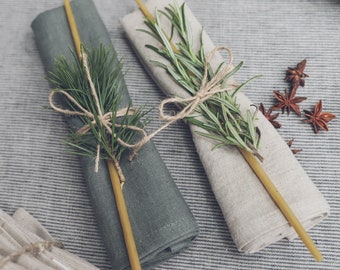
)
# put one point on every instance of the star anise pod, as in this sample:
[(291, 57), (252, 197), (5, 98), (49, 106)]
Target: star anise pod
[(288, 101), (270, 117), (296, 75), (318, 118)]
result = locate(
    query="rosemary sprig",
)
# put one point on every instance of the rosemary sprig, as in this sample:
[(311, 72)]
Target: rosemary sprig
[(106, 73), (223, 119), (248, 156)]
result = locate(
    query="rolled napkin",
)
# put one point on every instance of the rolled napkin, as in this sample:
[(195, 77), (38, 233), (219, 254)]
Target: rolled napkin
[(26, 245), (252, 217), (161, 220)]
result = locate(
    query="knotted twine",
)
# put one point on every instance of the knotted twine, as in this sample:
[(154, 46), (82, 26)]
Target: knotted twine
[(105, 119), (34, 248), (207, 89)]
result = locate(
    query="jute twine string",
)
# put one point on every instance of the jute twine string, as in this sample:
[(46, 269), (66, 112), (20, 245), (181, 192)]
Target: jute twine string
[(35, 249), (105, 120), (208, 88)]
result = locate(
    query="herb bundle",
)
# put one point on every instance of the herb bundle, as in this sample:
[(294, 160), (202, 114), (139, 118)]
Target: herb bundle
[(105, 125), (222, 119)]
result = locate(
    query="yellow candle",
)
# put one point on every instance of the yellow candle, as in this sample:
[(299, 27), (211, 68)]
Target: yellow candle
[(265, 180), (124, 218), (115, 181), (145, 10), (73, 27), (151, 18), (282, 204)]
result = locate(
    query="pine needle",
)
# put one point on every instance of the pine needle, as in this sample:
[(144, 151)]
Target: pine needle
[(106, 74)]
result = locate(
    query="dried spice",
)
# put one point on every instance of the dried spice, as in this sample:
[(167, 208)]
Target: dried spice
[(270, 117), (296, 75), (294, 151), (288, 101), (318, 118)]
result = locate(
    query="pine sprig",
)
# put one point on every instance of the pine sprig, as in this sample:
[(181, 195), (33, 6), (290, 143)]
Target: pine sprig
[(223, 119), (106, 74)]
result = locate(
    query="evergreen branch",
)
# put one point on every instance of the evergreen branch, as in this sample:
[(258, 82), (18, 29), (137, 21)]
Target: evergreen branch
[(106, 74)]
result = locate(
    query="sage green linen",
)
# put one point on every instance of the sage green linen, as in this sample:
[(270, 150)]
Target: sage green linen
[(161, 220), (253, 218)]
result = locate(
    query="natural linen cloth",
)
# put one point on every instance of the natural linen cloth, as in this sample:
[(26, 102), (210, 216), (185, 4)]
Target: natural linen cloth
[(161, 220), (22, 230), (252, 217)]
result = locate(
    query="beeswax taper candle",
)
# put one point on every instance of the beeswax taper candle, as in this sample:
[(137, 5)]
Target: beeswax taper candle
[(118, 193)]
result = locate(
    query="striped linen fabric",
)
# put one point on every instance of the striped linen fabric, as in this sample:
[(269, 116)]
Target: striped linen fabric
[(37, 174)]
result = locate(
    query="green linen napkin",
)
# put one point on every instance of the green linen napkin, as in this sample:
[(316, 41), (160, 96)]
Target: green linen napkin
[(162, 222)]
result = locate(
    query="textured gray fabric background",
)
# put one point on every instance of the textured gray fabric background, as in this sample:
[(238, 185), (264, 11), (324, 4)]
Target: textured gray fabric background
[(37, 174)]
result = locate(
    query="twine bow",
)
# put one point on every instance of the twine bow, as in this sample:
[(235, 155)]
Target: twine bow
[(105, 120), (208, 88)]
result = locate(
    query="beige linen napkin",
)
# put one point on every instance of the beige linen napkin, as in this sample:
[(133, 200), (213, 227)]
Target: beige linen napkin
[(21, 231), (252, 217)]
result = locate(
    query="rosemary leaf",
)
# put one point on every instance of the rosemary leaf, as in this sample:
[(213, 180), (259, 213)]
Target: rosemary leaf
[(223, 119)]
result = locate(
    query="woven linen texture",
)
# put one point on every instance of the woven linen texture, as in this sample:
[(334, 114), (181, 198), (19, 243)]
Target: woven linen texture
[(267, 35)]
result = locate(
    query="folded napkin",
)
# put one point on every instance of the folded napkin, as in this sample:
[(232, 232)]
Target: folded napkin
[(252, 217), (20, 233), (161, 220)]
